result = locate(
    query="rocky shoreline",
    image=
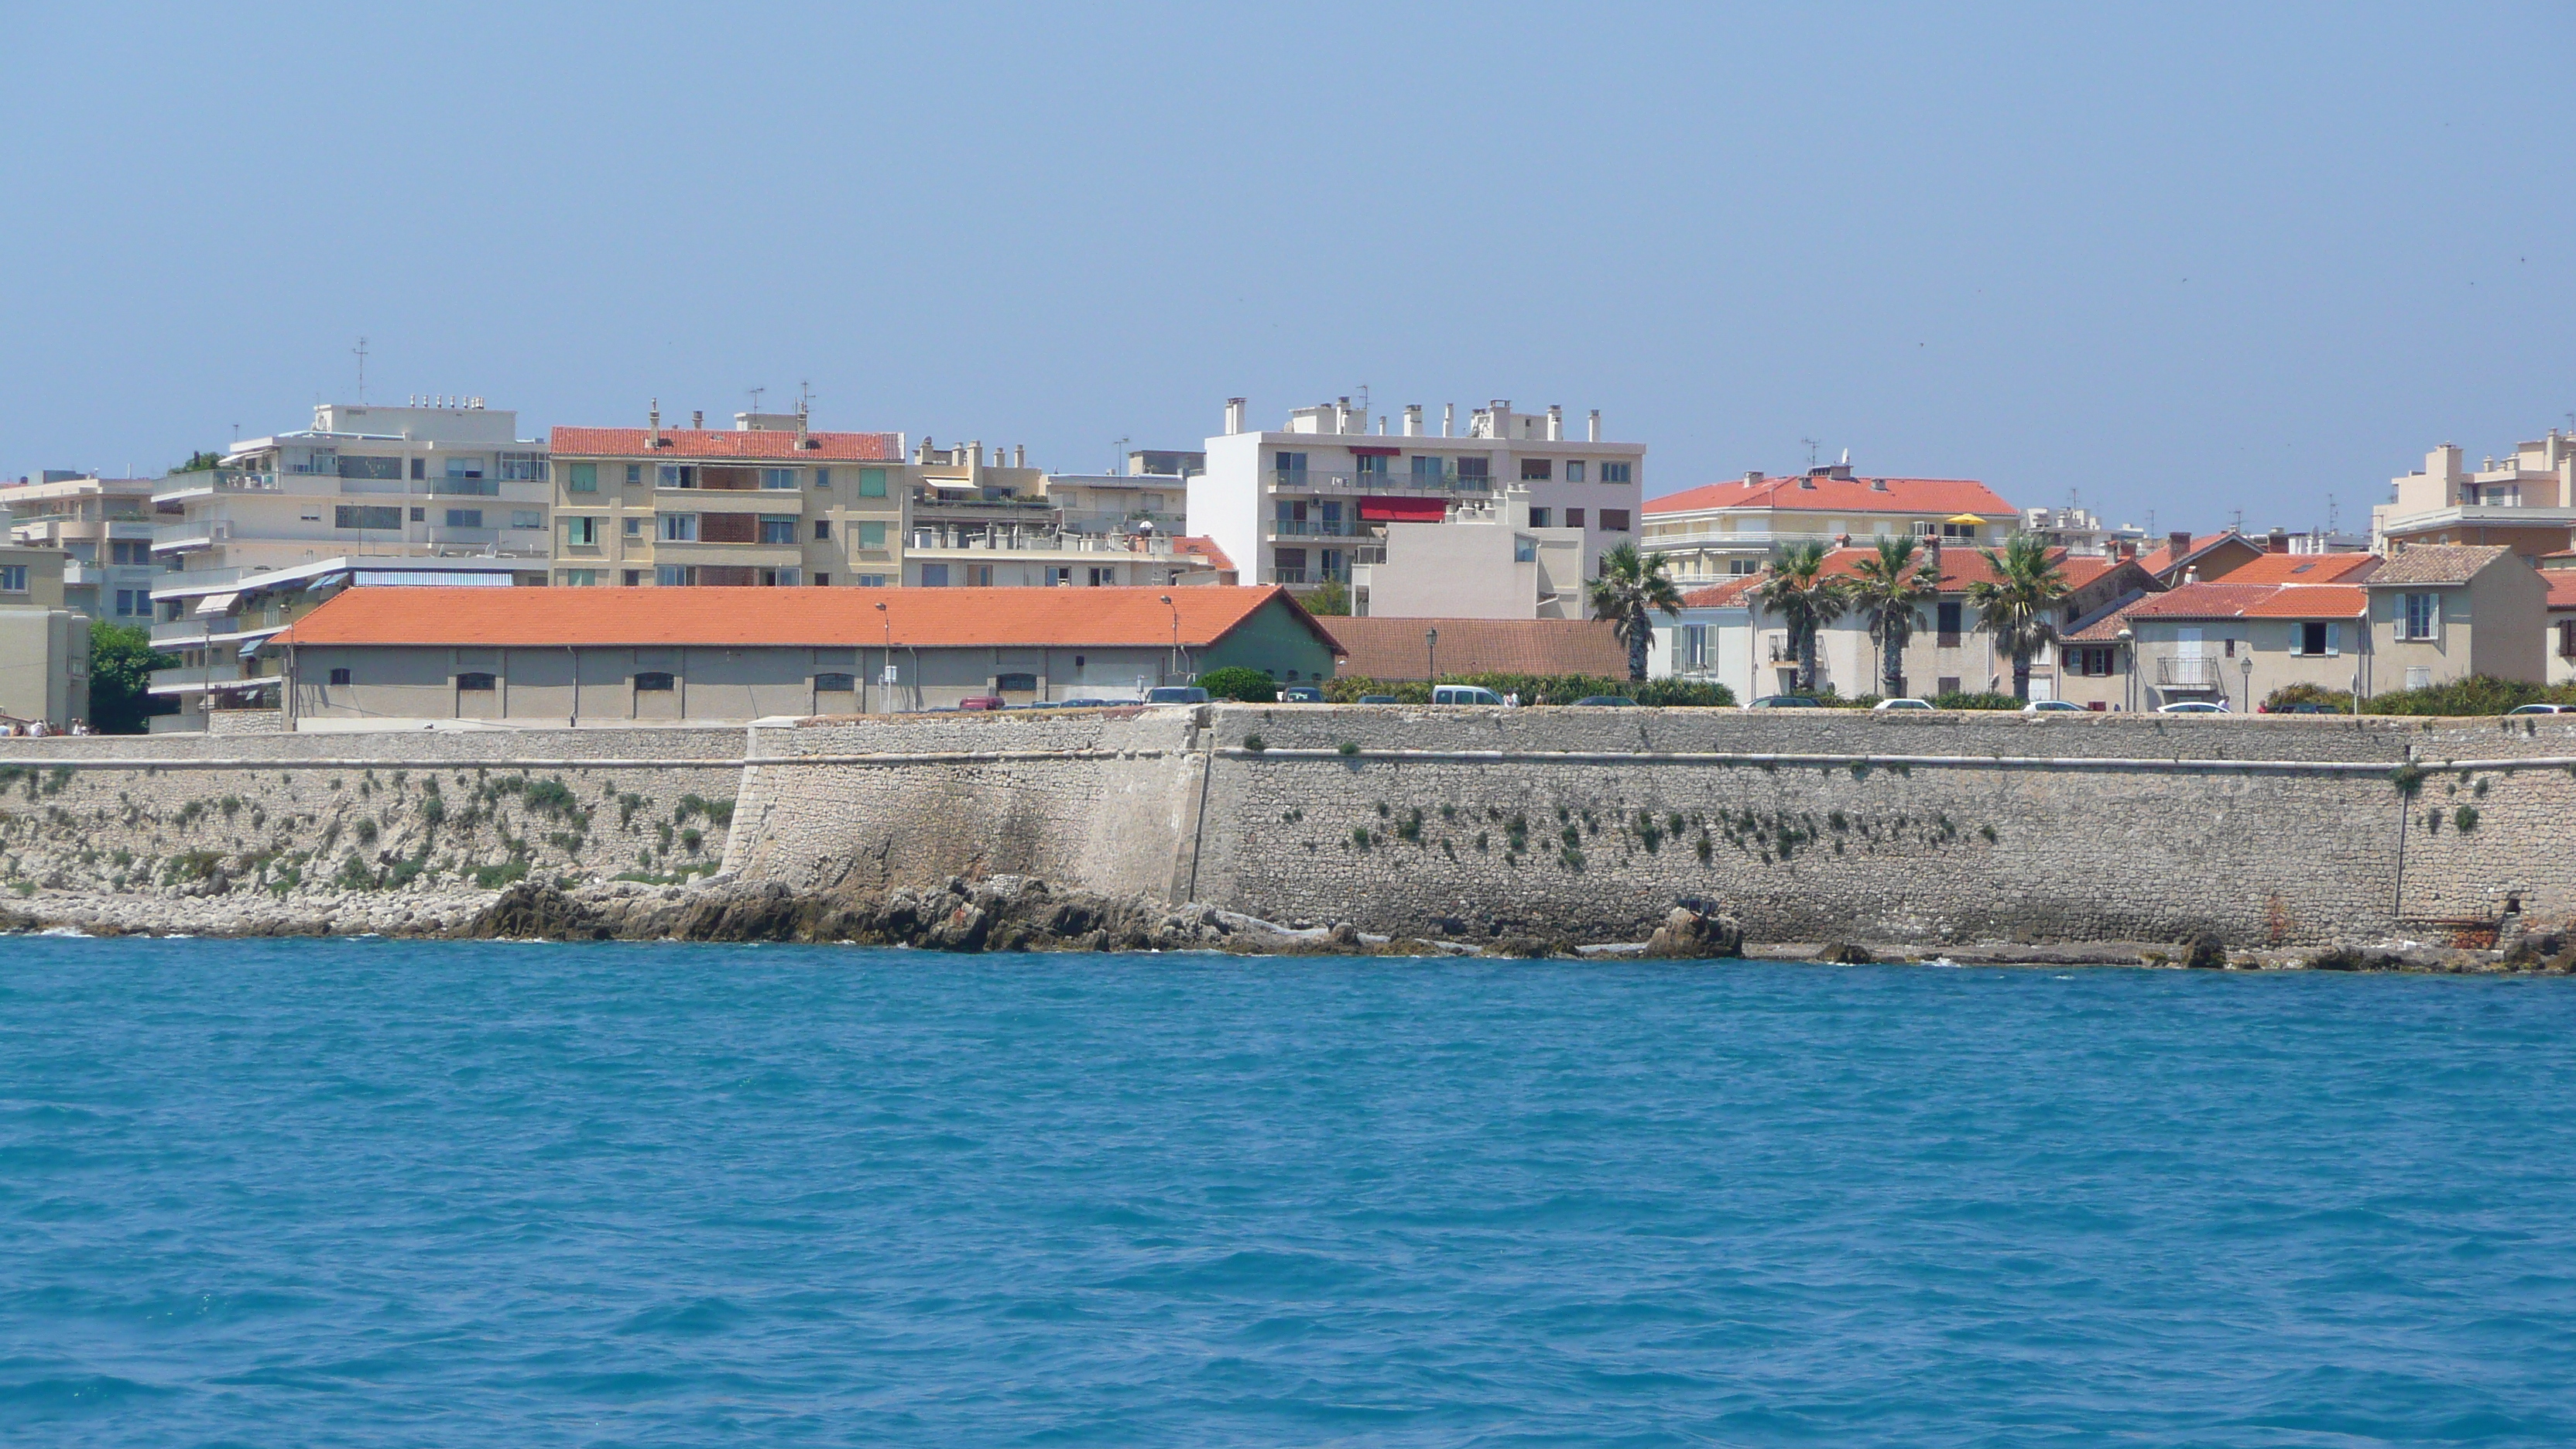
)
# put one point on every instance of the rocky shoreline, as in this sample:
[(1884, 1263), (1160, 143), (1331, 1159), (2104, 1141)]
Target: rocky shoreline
[(1011, 914)]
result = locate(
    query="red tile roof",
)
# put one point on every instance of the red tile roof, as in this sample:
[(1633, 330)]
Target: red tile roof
[(1960, 567), (1204, 549), (2562, 588), (827, 618), (2304, 568), (2159, 560), (1383, 648), (727, 443), (2311, 601), (1943, 496), (2228, 599)]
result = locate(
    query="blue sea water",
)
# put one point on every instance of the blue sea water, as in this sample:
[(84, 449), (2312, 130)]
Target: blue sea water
[(382, 1193)]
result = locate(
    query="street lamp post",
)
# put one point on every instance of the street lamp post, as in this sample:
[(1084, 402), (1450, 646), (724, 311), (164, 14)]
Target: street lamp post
[(2129, 653), (2245, 662), (1431, 642), (885, 672), (1176, 634)]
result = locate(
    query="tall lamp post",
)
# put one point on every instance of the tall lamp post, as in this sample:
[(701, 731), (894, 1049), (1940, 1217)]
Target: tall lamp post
[(1431, 643), (1176, 634), (2129, 653), (885, 671), (2245, 663)]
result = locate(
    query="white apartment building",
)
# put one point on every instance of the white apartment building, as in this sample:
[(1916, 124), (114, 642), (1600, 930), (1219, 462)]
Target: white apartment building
[(1719, 531), (2526, 501), (1311, 501), (1480, 561), (103, 527), (978, 522)]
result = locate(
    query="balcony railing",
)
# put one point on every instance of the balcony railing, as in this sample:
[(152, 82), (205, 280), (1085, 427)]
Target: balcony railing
[(926, 539), (2173, 673), (1317, 528), (1429, 484), (216, 480), (187, 537)]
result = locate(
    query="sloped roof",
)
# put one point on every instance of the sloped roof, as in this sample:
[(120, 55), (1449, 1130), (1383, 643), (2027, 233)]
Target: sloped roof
[(1382, 648), (2228, 599), (825, 618), (2304, 568), (2437, 563), (1204, 549), (1840, 495), (2562, 588), (2157, 561), (727, 443)]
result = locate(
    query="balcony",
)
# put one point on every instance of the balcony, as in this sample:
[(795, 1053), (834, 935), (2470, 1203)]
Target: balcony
[(189, 537), (2172, 673), (1441, 485), (1316, 528), (206, 482), (934, 540)]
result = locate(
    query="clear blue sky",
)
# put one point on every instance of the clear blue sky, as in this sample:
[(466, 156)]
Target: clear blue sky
[(2182, 259)]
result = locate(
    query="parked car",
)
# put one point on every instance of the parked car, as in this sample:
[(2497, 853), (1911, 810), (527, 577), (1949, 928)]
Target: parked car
[(1786, 701), (1083, 704), (2191, 706), (2542, 709), (2052, 706), (1614, 701), (2309, 708), (1463, 694), (1884, 705), (983, 701), (1301, 694), (1176, 694), (1379, 699)]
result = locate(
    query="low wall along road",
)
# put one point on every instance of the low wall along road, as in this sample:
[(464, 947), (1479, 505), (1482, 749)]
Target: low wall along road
[(1918, 829)]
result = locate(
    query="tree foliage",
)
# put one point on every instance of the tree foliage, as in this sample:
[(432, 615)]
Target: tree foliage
[(1237, 682), (1796, 589), (1544, 689), (1631, 589), (1887, 589), (121, 661), (1331, 598), (199, 461), (2018, 606)]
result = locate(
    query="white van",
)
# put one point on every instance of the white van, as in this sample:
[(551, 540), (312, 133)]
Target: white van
[(1463, 694)]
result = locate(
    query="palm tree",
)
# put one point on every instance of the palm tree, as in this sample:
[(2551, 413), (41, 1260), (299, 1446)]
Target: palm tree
[(1796, 589), (2018, 604), (1888, 589), (1630, 587)]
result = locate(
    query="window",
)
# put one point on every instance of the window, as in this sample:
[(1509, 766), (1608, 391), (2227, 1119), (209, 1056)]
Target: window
[(1967, 531), (679, 528), (1427, 470), (465, 518), (728, 528), (774, 529), (1290, 465), (677, 475), (778, 478), (1542, 518), (523, 466), (527, 518), (1474, 472), (835, 683), (371, 467), (1614, 472), (2092, 661), (979, 576), (822, 477), (634, 528), (1946, 684), (581, 578), (1537, 468), (477, 682), (872, 581), (420, 467), (461, 466), (583, 478), (581, 532), (1739, 567), (1574, 470), (2316, 641), (1104, 577), (1015, 684), (2419, 676), (130, 602), (347, 515), (872, 482), (1370, 465), (934, 576), (634, 474), (13, 578), (1289, 565), (822, 528), (653, 681), (822, 581), (1614, 520), (420, 515), (634, 578), (1948, 625), (1524, 549), (872, 533), (1574, 518), (2419, 616), (2567, 638), (130, 553), (341, 676), (1690, 646), (674, 576)]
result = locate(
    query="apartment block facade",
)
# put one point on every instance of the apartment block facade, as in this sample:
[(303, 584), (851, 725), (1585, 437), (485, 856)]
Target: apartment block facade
[(767, 503), (2525, 502), (103, 526), (1730, 530), (1308, 503)]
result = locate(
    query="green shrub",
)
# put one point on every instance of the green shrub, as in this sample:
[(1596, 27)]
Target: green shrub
[(2476, 695), (1235, 682), (1983, 699), (2338, 700)]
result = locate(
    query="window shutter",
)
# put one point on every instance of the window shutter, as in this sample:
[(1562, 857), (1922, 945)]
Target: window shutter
[(2334, 640)]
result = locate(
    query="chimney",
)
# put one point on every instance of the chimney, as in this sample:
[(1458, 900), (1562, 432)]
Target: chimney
[(1877, 485), (1595, 435), (975, 461), (2191, 576), (1342, 415), (921, 455), (1753, 475), (2128, 548), (2179, 543), (2277, 541), (656, 416), (1448, 418), (698, 419), (1555, 423), (1413, 420), (1233, 415), (1020, 455)]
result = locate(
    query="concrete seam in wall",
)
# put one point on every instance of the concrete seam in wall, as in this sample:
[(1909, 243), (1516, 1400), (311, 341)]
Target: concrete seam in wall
[(1975, 762), (945, 757)]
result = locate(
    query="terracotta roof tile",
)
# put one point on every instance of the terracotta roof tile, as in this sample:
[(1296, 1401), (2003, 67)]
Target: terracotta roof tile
[(2562, 588), (2228, 599), (2311, 601), (1960, 567), (1383, 648), (1204, 548), (742, 443), (1841, 495), (2157, 561), (2437, 563), (2304, 568), (921, 618)]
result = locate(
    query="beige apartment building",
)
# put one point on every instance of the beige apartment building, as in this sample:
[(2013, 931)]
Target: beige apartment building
[(1481, 560), (103, 527), (2525, 502), (1729, 530), (766, 503), (44, 647)]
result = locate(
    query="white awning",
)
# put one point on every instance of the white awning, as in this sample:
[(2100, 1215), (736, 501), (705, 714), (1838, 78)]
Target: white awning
[(216, 604)]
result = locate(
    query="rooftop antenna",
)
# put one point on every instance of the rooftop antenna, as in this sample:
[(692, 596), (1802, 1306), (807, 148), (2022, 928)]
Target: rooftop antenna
[(755, 399), (1812, 446), (1364, 402), (2236, 521), (2332, 519), (1118, 460), (361, 350)]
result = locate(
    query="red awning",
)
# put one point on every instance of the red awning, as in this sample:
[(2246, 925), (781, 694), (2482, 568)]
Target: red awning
[(1377, 452), (1404, 510)]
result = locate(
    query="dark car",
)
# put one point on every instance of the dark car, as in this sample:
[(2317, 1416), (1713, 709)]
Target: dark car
[(1786, 701), (1615, 701), (2304, 709), (1301, 694), (983, 701), (1379, 699)]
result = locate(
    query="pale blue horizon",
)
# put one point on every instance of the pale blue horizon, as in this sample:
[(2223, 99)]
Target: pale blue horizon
[(2192, 261)]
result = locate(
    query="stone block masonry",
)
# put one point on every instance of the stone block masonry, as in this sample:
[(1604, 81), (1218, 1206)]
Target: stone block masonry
[(1920, 830)]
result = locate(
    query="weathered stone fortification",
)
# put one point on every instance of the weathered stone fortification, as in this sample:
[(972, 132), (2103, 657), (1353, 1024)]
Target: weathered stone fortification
[(1921, 829)]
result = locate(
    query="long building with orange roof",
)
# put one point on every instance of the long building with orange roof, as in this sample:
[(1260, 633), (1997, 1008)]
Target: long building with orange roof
[(1728, 530)]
